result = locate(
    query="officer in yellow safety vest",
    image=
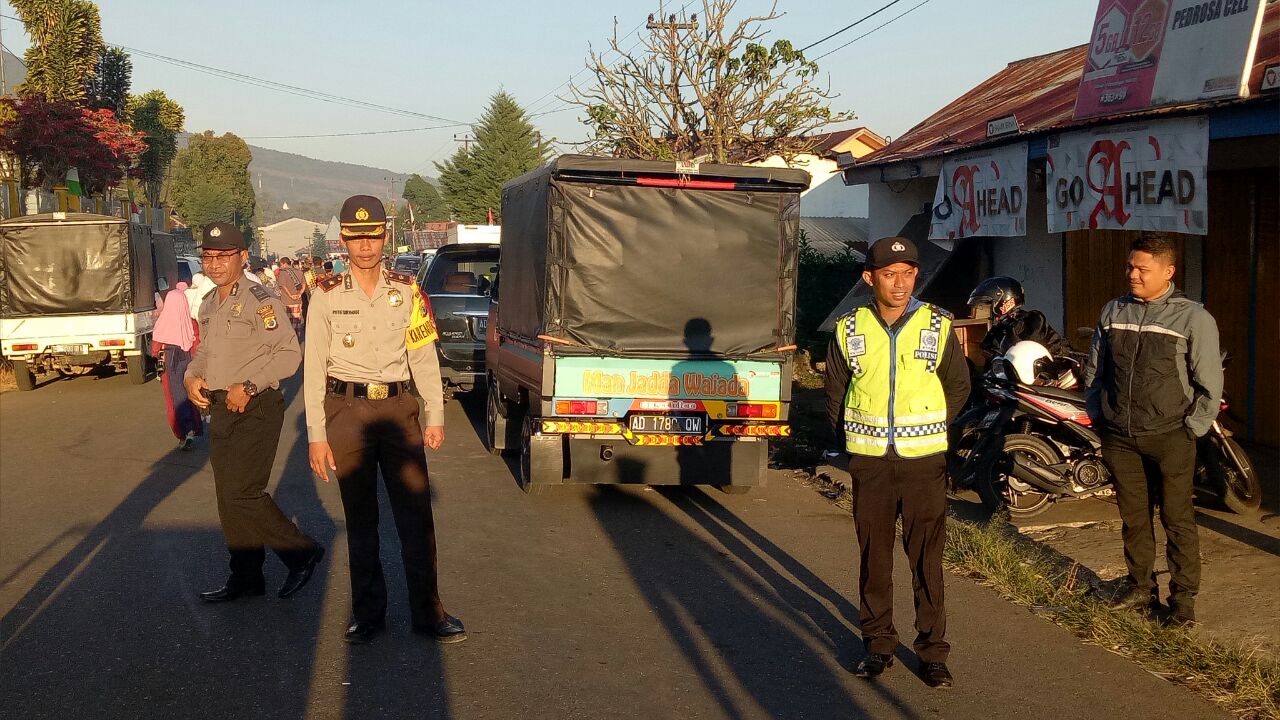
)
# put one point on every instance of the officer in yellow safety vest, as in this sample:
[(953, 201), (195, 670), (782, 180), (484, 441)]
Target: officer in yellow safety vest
[(895, 378)]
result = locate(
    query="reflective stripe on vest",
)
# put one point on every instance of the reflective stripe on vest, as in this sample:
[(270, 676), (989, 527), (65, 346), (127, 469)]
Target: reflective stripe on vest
[(913, 412)]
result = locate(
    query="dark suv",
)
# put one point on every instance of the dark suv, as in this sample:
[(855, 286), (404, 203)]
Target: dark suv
[(458, 281)]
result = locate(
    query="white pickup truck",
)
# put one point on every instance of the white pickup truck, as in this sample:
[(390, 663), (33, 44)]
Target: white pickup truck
[(77, 291)]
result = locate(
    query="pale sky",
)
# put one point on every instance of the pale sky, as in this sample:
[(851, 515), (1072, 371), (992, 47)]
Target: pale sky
[(446, 59)]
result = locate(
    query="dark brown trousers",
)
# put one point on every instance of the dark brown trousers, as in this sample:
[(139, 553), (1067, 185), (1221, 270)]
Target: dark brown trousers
[(367, 436), (885, 488), (242, 450)]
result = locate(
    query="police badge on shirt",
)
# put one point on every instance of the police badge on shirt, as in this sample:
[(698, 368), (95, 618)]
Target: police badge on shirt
[(929, 341)]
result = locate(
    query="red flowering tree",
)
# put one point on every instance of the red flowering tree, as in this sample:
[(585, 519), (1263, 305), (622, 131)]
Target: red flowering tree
[(51, 137), (119, 147)]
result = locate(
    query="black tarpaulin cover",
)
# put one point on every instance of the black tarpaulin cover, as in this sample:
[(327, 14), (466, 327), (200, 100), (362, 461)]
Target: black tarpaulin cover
[(613, 267), (80, 264)]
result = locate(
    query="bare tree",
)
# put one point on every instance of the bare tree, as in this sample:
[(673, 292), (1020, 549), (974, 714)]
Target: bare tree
[(704, 86)]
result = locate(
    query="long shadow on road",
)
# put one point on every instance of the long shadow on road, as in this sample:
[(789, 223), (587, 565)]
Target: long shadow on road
[(114, 628), (747, 632)]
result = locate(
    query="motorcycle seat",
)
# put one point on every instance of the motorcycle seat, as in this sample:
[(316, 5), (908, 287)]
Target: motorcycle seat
[(1071, 396)]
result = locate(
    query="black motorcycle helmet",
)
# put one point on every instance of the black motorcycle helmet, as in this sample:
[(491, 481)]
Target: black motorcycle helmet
[(992, 293)]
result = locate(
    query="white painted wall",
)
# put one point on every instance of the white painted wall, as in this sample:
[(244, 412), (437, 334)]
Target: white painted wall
[(1036, 262), (827, 195), (892, 204)]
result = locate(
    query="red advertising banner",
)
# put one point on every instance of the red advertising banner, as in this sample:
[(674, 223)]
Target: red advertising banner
[(1149, 53)]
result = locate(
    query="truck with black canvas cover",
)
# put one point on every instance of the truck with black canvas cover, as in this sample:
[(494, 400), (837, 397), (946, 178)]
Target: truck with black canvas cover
[(77, 292), (642, 326)]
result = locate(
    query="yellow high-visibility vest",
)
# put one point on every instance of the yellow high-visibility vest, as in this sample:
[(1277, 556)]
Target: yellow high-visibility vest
[(894, 392)]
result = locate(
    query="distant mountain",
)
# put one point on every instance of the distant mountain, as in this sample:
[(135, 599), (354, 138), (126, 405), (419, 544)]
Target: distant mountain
[(14, 71), (313, 189)]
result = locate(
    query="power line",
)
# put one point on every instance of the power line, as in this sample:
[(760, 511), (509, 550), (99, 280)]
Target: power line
[(352, 134), (582, 70), (887, 22), (853, 24), (15, 55), (277, 86)]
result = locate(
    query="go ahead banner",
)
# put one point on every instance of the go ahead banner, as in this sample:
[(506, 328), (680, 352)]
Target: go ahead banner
[(1149, 176), (982, 193)]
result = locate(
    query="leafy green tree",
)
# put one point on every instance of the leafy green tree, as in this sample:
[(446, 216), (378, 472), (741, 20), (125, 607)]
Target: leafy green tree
[(213, 161), (706, 88), (66, 43), (205, 201), (161, 119), (425, 200), (108, 87), (319, 245), (507, 145)]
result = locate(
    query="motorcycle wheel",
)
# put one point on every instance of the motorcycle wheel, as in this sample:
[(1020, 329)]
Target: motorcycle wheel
[(1001, 490), (1240, 487), (958, 456)]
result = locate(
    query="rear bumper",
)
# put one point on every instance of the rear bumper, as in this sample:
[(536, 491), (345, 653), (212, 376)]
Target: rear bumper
[(461, 363), (605, 461)]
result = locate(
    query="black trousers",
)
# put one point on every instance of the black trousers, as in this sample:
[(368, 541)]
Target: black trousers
[(1156, 471), (242, 450), (885, 488), (367, 436)]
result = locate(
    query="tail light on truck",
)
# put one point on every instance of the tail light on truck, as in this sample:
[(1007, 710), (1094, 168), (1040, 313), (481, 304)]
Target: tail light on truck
[(755, 411), (117, 342), (26, 347), (582, 407)]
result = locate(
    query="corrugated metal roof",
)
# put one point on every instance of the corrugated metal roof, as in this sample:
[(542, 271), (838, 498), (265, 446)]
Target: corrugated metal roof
[(1041, 92), (831, 235)]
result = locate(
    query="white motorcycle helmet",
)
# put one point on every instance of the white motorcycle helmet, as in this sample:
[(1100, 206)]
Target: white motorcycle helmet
[(1026, 358)]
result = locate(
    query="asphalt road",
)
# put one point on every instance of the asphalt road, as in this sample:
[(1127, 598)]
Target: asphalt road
[(598, 602)]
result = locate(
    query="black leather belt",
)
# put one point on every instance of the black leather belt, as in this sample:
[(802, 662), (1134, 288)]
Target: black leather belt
[(370, 391)]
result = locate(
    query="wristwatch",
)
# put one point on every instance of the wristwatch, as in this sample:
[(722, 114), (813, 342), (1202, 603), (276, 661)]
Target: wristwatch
[(249, 388)]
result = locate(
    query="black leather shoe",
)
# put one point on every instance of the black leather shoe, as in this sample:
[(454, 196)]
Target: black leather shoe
[(448, 630), (299, 577), (936, 675), (872, 665), (232, 591), (360, 632)]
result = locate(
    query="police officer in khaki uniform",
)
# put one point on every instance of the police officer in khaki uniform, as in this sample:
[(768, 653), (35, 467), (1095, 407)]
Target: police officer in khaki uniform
[(369, 334), (244, 354)]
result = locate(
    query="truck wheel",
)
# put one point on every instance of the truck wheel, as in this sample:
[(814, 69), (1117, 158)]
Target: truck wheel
[(137, 368), (541, 458), (22, 375)]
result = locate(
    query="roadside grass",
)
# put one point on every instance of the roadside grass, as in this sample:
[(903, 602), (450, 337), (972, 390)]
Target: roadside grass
[(1234, 674)]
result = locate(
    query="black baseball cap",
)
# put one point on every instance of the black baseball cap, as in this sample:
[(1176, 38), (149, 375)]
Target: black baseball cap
[(223, 236), (362, 216), (890, 250)]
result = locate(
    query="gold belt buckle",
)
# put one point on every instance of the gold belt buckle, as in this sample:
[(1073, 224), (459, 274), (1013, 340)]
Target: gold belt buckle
[(376, 391)]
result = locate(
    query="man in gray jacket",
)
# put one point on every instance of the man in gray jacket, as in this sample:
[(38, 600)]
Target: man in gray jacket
[(1154, 380)]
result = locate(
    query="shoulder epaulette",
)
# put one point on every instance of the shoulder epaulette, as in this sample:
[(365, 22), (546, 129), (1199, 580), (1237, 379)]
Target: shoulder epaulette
[(209, 294), (399, 277), (330, 282), (259, 292), (944, 313)]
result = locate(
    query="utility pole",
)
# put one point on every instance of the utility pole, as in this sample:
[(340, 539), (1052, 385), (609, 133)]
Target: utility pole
[(466, 141), (672, 26), (392, 215), (4, 83)]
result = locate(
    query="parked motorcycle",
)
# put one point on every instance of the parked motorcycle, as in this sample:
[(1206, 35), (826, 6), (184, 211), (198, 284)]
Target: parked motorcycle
[(1027, 446)]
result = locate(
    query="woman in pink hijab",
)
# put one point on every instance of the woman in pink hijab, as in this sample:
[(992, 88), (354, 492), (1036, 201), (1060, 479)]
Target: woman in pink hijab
[(176, 335)]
